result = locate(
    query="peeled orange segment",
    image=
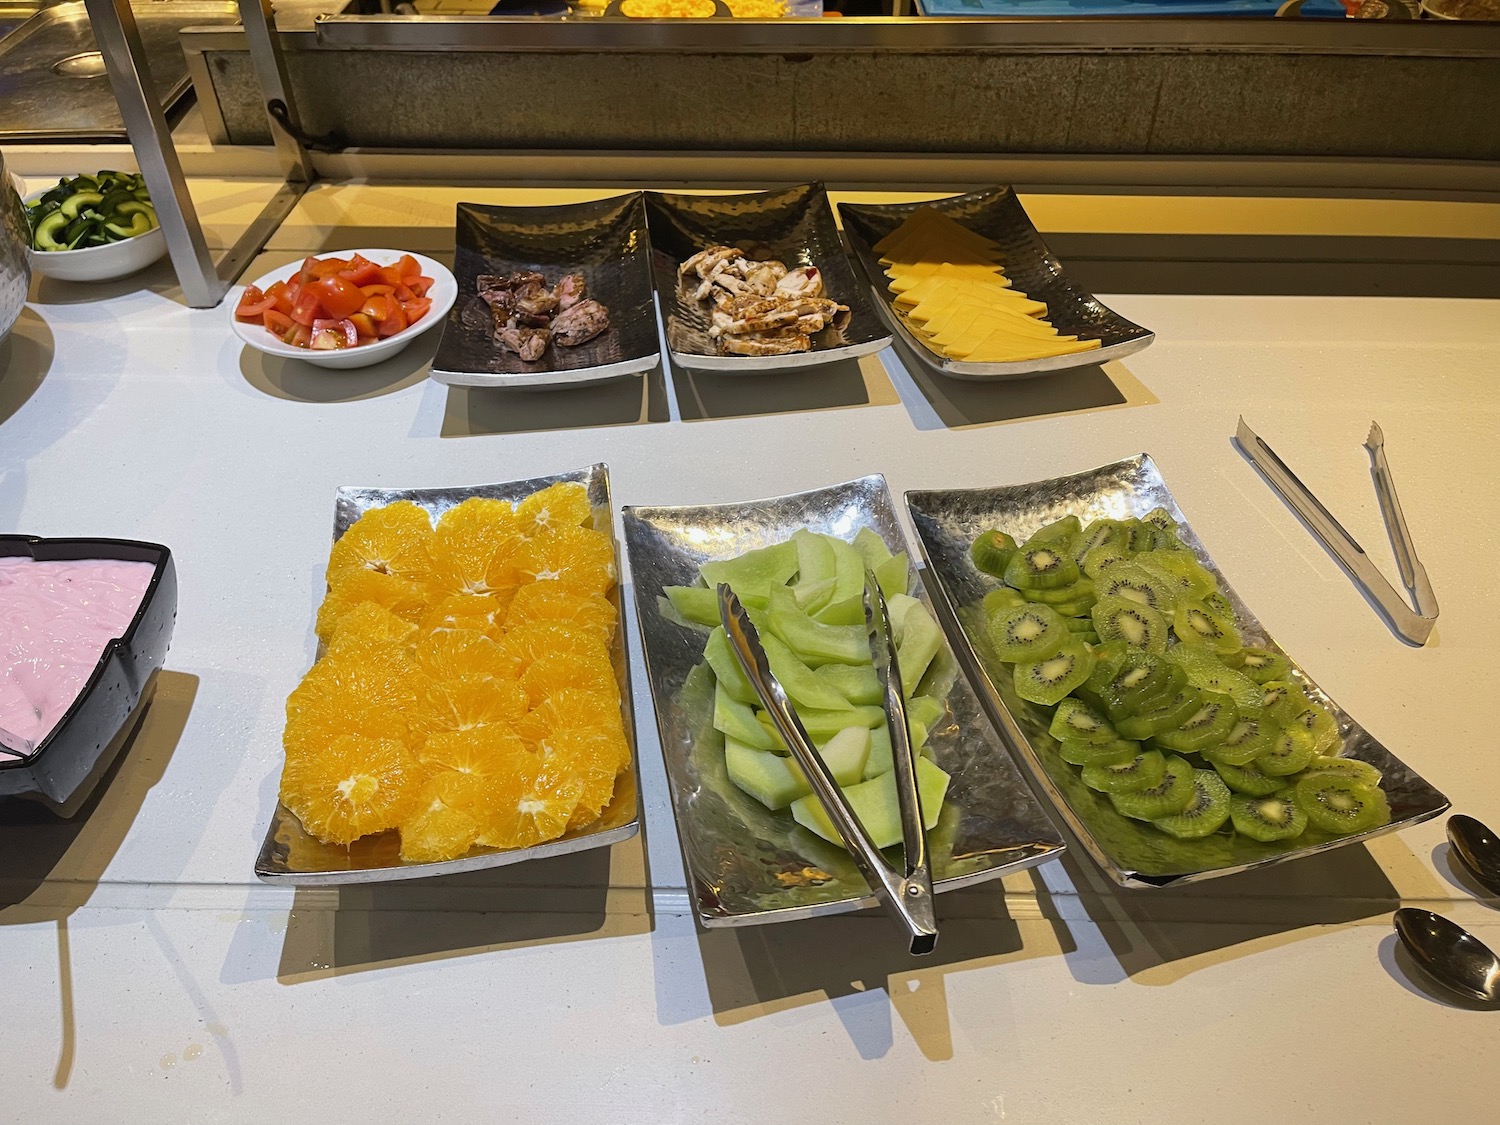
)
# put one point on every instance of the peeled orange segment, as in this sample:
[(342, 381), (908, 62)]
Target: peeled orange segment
[(564, 504), (484, 612), (459, 705), (440, 826), (487, 753), (544, 602), (561, 671), (575, 558), (473, 547), (392, 540), (591, 758), (352, 787), (369, 624), (354, 588), (529, 643), (366, 693), (582, 714), (530, 806), (459, 654)]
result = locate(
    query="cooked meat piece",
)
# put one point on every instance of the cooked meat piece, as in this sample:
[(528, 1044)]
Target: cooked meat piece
[(804, 281), (705, 262), (528, 343), (772, 343), (773, 314), (761, 277), (534, 306), (580, 323), (570, 290)]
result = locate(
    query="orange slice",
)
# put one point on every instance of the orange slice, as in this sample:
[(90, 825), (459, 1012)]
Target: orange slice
[(589, 758), (458, 654), (391, 540), (580, 713), (530, 806), (531, 642), (439, 828), (351, 589), (473, 547), (459, 705), (564, 504), (576, 558), (546, 602), (560, 671), (350, 788), (367, 625), (484, 612), (365, 693)]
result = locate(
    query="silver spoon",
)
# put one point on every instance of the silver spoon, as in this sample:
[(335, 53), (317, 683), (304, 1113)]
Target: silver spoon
[(1449, 954), (1479, 849)]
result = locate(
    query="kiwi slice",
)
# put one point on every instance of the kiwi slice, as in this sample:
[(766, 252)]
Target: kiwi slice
[(991, 551), (1195, 621), (1049, 679), (1352, 768), (1219, 602), (1261, 664), (1337, 804), (1320, 726), (1100, 533), (1041, 566), (1289, 753), (1208, 726), (1248, 739), (1282, 699), (1077, 608), (1161, 519), (1146, 769), (1026, 632), (1079, 624), (1143, 681), (1078, 753), (1169, 714), (1275, 816), (1003, 598), (1127, 580), (1206, 670), (1075, 719), (1081, 590), (1141, 536), (1180, 570), (1172, 794), (1064, 530), (1248, 779), (1205, 814), (1125, 619), (1099, 559)]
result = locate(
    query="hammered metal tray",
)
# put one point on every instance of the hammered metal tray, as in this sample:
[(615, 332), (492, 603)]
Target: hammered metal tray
[(793, 225), (746, 864), (604, 239), (996, 213), (290, 855), (1131, 852)]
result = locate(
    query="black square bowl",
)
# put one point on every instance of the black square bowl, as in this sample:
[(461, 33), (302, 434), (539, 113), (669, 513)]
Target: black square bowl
[(55, 772)]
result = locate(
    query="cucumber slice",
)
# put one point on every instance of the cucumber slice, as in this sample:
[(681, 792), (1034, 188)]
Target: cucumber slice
[(77, 201), (47, 232)]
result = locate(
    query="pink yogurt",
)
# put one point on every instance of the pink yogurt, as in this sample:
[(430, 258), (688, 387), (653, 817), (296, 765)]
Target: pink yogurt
[(55, 619)]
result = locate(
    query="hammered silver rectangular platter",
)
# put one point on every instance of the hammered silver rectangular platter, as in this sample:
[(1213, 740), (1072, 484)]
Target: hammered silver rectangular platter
[(792, 225), (290, 854), (746, 864), (605, 240), (1131, 852), (997, 214)]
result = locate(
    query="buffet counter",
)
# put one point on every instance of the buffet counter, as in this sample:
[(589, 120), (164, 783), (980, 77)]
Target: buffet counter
[(157, 980)]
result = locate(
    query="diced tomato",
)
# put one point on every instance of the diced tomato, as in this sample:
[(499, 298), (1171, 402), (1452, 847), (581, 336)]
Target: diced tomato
[(306, 274), (327, 341), (252, 304), (408, 267), (283, 302), (279, 324), (364, 324), (327, 267), (339, 298), (376, 290), (395, 322), (307, 307), (361, 271), (377, 307), (416, 309), (343, 326), (419, 285), (390, 275), (299, 336)]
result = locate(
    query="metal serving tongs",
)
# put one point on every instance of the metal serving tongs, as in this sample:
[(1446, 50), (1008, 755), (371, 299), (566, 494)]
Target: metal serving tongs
[(1412, 625), (907, 894)]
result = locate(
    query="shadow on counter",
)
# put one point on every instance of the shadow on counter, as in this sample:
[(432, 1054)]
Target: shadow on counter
[(706, 395), (25, 358), (296, 381), (627, 401), (1160, 935)]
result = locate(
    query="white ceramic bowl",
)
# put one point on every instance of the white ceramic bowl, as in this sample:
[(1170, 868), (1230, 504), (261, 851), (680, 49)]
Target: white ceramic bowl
[(443, 293), (98, 263)]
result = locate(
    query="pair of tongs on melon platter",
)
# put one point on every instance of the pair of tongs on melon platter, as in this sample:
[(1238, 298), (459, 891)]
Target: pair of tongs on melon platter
[(905, 893)]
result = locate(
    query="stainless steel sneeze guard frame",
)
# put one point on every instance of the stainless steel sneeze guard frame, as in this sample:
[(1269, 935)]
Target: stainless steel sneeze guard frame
[(290, 855), (745, 864), (1132, 853)]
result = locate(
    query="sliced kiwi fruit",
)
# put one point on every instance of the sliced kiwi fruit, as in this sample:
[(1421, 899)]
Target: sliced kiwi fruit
[(1248, 739), (1078, 753), (1041, 566), (1064, 530), (1141, 536), (1261, 664), (1172, 794), (1337, 804), (1161, 519), (1003, 598), (1079, 624), (1219, 602), (1289, 753), (1082, 590), (1169, 714), (1050, 678), (991, 551), (1078, 607), (1320, 726), (1206, 670), (1026, 632), (1142, 681), (1099, 559), (1274, 816), (1100, 533), (1195, 621), (1352, 768), (1124, 619), (1283, 699), (1127, 580), (1075, 719), (1146, 769), (1205, 814), (1187, 577), (1248, 779), (1208, 726)]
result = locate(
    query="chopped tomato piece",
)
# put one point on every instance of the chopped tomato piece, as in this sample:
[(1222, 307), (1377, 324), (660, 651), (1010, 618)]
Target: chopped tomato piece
[(361, 271), (395, 322), (279, 324), (306, 308), (377, 307), (252, 304), (327, 341), (344, 327), (299, 336), (419, 285), (280, 295), (408, 267), (416, 308), (327, 267), (376, 290), (390, 275), (338, 297), (364, 324)]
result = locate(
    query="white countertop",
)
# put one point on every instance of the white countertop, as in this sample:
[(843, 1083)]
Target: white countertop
[(150, 978)]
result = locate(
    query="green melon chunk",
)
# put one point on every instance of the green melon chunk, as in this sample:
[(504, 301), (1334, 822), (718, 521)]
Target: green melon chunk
[(694, 603), (917, 644), (924, 709), (871, 547), (772, 780), (813, 596), (822, 725), (815, 571), (727, 668), (893, 575), (849, 571), (756, 573), (737, 720), (880, 760), (814, 642), (801, 685), (857, 683), (875, 806), (850, 611), (845, 754)]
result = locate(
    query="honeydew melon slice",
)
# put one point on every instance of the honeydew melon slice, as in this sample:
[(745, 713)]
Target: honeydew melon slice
[(925, 712), (875, 806), (858, 684), (849, 571), (802, 687), (755, 573), (871, 547), (738, 720), (823, 725), (772, 780), (697, 604), (814, 642), (813, 596), (880, 760), (815, 570), (726, 667), (893, 575)]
